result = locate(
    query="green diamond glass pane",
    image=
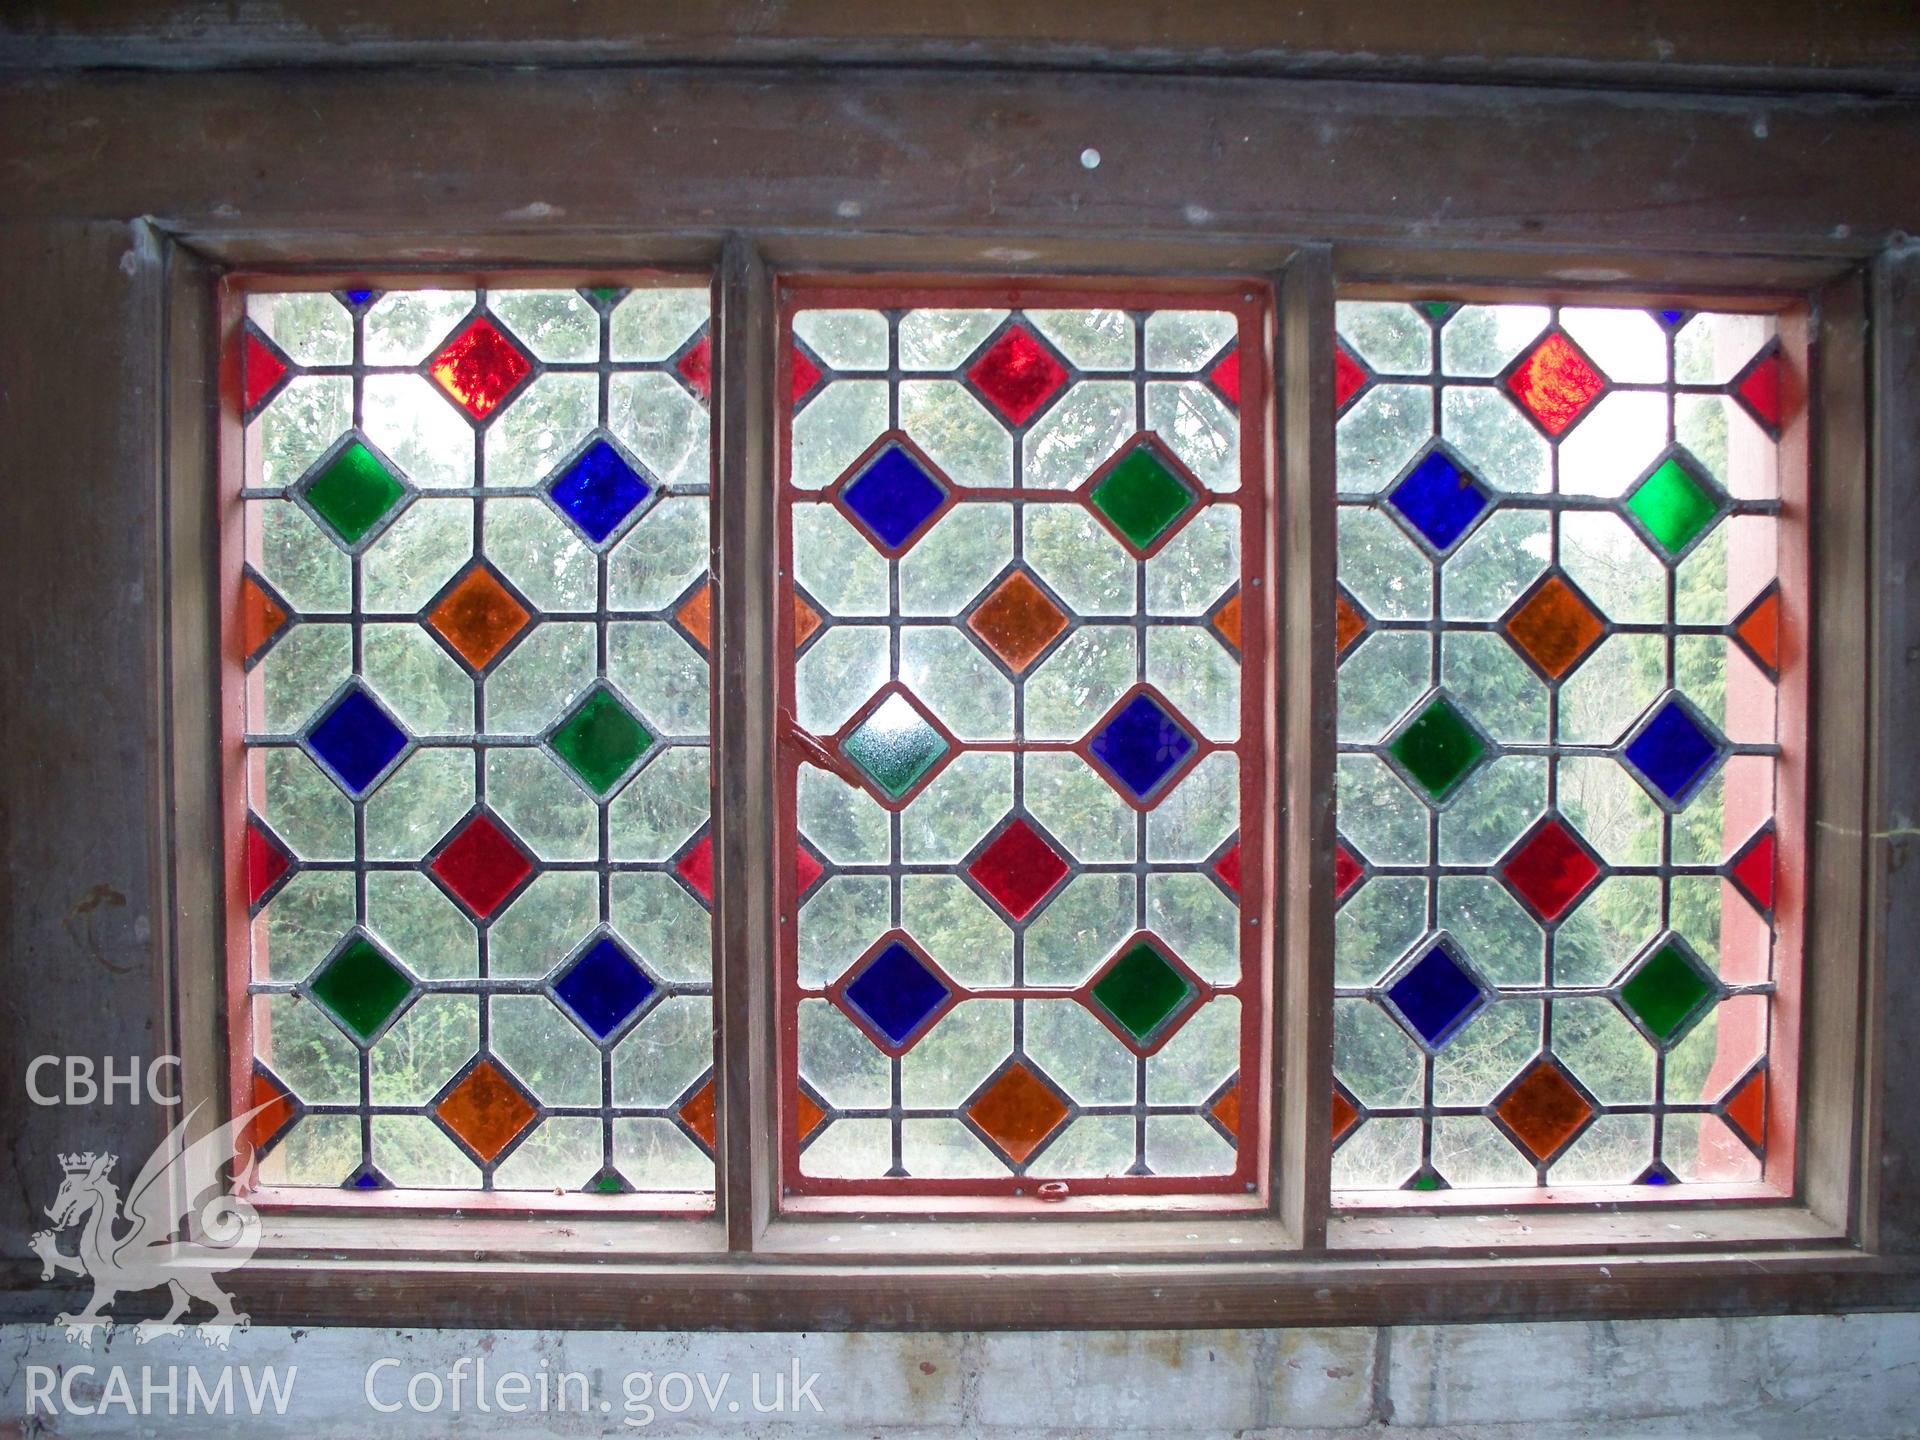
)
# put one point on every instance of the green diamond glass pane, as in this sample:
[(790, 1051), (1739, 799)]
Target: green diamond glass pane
[(600, 741), (354, 493), (1674, 506), (607, 1185), (1142, 990), (895, 746), (361, 988), (1142, 497), (1667, 992), (1424, 1181), (1439, 749), (1438, 309)]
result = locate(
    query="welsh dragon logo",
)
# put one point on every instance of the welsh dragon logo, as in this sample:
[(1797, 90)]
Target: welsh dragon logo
[(180, 1225)]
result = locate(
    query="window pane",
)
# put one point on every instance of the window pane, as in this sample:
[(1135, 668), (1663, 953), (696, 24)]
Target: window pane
[(1013, 568), (473, 607), (1559, 631)]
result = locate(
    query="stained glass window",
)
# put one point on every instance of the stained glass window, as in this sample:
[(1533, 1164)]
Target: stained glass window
[(1022, 728), (1563, 572), (470, 600)]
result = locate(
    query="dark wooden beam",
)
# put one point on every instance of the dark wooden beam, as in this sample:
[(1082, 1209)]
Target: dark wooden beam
[(1662, 43), (431, 159), (83, 891)]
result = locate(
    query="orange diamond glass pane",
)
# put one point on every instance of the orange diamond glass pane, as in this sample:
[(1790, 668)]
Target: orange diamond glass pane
[(696, 613), (1227, 1109), (700, 1115), (1759, 630), (1017, 621), (272, 1108), (1226, 620), (1544, 1110), (1555, 627), (1344, 1115), (807, 1114), (1018, 1111), (479, 617), (806, 620), (261, 617), (1747, 1108), (487, 1109), (1348, 623)]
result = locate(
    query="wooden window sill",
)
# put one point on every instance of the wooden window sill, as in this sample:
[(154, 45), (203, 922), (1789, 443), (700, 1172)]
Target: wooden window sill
[(714, 1292)]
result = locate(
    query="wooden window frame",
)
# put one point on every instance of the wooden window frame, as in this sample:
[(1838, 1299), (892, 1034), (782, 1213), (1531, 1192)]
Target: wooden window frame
[(1845, 1241)]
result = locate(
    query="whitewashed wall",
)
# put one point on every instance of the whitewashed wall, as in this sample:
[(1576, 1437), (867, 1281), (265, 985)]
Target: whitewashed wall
[(1856, 1376)]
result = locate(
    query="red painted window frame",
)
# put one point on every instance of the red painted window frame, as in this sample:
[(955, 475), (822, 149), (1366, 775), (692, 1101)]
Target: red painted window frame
[(237, 688), (1781, 1180), (1250, 1184)]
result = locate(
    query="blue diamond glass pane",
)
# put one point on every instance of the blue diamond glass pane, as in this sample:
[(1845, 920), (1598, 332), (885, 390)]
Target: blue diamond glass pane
[(358, 297), (366, 1180), (1440, 500), (897, 992), (1142, 745), (893, 496), (1673, 753), (1437, 996), (599, 490), (604, 988), (1672, 317), (356, 741)]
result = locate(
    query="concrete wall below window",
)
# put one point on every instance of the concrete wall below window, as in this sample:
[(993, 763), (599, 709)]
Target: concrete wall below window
[(1804, 1377)]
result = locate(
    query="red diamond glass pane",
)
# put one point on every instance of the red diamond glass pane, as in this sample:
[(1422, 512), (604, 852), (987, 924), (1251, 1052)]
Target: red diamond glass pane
[(696, 367), (1753, 869), (262, 368), (1551, 870), (1555, 383), (482, 866), (696, 867), (1018, 375), (1019, 869), (480, 368), (1761, 390), (1349, 378)]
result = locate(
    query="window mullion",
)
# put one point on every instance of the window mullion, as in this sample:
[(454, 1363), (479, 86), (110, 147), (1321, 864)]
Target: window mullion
[(1303, 535), (743, 568)]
